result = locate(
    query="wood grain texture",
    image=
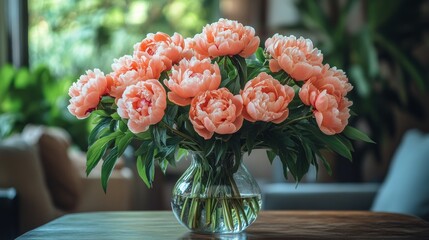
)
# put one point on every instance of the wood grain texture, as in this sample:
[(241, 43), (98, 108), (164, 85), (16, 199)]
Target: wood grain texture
[(269, 225)]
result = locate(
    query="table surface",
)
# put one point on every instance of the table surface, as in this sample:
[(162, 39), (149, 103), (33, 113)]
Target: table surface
[(269, 225)]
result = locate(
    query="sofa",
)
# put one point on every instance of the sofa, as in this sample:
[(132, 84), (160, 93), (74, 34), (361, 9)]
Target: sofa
[(404, 189), (49, 177)]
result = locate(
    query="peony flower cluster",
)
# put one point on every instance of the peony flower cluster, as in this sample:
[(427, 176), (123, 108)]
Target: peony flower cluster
[(324, 88), (164, 71)]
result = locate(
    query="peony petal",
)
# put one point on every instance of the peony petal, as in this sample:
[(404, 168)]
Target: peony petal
[(173, 97)]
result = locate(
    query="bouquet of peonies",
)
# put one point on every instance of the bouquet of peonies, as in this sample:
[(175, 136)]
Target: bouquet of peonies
[(218, 95)]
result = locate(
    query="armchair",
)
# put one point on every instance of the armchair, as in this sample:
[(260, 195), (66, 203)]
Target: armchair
[(50, 178)]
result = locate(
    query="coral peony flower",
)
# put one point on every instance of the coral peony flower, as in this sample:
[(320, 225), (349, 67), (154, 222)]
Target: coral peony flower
[(295, 56), (143, 104), (124, 64), (332, 80), (216, 111), (191, 77), (86, 93), (331, 116), (266, 99), (338, 80), (129, 70), (170, 49), (190, 47), (226, 38)]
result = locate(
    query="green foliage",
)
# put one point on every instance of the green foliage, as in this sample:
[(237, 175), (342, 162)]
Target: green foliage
[(390, 30), (96, 31), (35, 97), (297, 142)]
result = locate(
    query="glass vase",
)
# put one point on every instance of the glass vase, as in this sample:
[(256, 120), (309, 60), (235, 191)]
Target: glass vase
[(216, 199)]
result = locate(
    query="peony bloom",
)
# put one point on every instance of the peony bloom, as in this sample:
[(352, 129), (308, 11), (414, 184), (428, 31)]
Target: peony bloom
[(143, 104), (226, 38), (170, 49), (295, 56), (216, 111), (86, 93), (191, 77), (331, 116), (332, 80), (266, 99), (129, 70), (124, 64), (190, 46), (326, 93)]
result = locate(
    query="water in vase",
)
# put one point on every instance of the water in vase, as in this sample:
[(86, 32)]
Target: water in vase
[(216, 215)]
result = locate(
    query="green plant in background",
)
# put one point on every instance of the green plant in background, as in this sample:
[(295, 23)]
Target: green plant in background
[(36, 97), (384, 39), (70, 36)]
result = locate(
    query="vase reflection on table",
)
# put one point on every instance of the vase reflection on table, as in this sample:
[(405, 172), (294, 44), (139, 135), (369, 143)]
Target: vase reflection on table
[(216, 198)]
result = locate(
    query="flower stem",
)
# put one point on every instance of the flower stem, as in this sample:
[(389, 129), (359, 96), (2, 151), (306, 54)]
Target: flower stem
[(179, 133), (298, 119)]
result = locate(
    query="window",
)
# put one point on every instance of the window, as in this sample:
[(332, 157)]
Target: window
[(73, 36)]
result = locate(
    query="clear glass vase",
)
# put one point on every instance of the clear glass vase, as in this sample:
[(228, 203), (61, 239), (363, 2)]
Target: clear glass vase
[(216, 199)]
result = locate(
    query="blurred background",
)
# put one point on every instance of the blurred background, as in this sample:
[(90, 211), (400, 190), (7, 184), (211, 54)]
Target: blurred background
[(45, 45)]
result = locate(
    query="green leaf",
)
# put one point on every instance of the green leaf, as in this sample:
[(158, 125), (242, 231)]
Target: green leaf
[(7, 73), (123, 142), (338, 146), (344, 13), (107, 100), (171, 114), (144, 146), (260, 55), (402, 58), (346, 142), (271, 156), (325, 163), (240, 64), (369, 51), (309, 153), (159, 135), (122, 126), (220, 150), (23, 79), (304, 158), (316, 17), (332, 142), (145, 166), (97, 150), (250, 140), (100, 129), (107, 167), (173, 141), (356, 134), (144, 135), (360, 81), (235, 147), (163, 164), (180, 153), (209, 146), (7, 122), (100, 112), (116, 116)]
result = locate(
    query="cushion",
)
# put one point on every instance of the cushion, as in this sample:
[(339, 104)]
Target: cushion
[(61, 175), (405, 188), (21, 168)]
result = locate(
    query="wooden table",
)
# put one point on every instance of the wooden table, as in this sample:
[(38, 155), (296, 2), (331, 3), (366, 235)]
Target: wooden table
[(269, 225)]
